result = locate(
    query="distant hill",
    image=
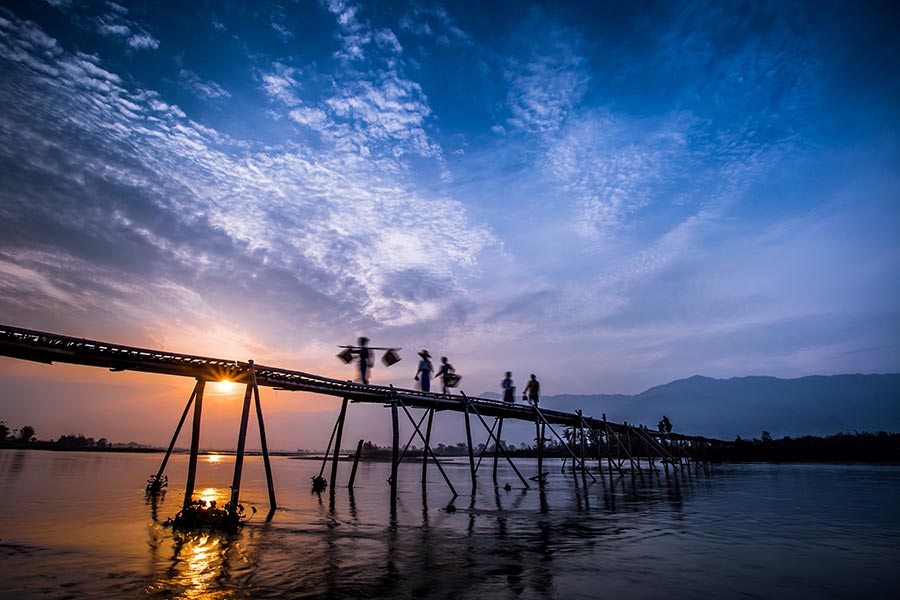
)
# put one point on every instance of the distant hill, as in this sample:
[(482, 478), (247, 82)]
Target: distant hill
[(746, 406)]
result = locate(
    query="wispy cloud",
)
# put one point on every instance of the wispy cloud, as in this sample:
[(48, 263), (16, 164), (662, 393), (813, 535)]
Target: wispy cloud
[(330, 234), (209, 90), (116, 24)]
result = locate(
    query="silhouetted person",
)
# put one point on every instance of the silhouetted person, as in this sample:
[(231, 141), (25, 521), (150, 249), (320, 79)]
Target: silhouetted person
[(665, 426), (366, 359), (424, 371), (509, 389), (533, 390), (446, 373)]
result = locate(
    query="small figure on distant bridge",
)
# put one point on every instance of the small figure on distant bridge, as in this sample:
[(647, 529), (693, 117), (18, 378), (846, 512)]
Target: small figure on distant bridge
[(424, 371), (665, 426), (448, 375), (532, 391), (509, 388)]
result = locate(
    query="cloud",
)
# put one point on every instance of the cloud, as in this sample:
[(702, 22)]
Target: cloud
[(116, 25), (433, 22), (143, 41), (148, 205), (548, 84), (209, 90), (281, 84)]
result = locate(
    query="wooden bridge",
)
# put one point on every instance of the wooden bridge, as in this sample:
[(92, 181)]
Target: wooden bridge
[(624, 446)]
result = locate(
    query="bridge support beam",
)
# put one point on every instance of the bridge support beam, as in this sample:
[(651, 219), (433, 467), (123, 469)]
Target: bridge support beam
[(497, 446), (427, 442), (156, 484), (469, 443), (264, 445), (355, 465), (428, 447), (395, 450), (497, 442), (337, 447), (195, 444), (242, 444)]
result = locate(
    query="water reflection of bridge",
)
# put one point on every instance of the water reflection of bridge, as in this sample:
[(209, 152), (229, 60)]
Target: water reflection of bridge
[(625, 448)]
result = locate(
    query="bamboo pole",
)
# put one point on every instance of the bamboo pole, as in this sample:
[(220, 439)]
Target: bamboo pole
[(486, 446), (410, 440), (581, 432), (471, 452), (328, 449), (195, 444), (355, 464), (559, 437), (264, 445), (165, 460), (426, 441), (242, 443), (539, 446), (505, 454), (395, 439), (497, 446), (337, 444), (428, 448)]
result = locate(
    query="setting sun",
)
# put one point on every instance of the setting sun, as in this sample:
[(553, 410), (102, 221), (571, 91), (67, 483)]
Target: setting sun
[(226, 386)]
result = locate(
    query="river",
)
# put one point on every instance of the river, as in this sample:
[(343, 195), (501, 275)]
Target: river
[(78, 525)]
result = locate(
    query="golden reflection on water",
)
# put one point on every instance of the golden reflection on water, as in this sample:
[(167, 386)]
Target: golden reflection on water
[(213, 494)]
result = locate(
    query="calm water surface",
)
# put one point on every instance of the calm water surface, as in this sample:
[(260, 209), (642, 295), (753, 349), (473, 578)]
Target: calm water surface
[(77, 525)]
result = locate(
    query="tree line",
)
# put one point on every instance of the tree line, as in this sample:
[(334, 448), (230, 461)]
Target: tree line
[(25, 437)]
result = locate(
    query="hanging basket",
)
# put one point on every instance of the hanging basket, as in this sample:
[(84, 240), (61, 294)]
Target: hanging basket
[(346, 355), (390, 358)]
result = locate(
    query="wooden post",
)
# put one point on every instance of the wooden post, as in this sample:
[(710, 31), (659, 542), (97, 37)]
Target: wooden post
[(635, 460), (430, 451), (242, 443), (505, 454), (395, 424), (538, 446), (471, 451), (540, 452), (583, 464), (497, 447), (270, 482), (487, 445), (337, 444), (427, 445), (162, 467), (355, 464), (195, 444)]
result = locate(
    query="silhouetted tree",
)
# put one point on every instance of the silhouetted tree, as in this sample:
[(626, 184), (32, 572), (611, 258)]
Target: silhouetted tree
[(4, 431), (26, 434)]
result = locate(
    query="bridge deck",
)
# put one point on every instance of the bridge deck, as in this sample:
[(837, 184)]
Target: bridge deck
[(40, 346)]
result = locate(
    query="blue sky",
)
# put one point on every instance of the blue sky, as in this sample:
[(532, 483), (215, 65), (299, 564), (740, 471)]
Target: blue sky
[(612, 195)]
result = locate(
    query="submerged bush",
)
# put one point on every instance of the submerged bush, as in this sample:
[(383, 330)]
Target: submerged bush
[(203, 515)]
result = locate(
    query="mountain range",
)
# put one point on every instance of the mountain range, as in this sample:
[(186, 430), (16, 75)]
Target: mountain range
[(747, 406)]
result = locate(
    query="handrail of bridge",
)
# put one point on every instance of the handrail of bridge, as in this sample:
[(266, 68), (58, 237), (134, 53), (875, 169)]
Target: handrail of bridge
[(44, 347)]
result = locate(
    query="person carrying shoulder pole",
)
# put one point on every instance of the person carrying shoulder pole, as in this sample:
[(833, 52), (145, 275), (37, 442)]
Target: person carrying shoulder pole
[(366, 359)]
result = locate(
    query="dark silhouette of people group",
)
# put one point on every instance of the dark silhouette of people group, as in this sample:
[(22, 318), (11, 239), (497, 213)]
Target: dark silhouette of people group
[(425, 372)]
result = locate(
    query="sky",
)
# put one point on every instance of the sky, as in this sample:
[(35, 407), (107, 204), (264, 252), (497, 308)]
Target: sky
[(612, 195)]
